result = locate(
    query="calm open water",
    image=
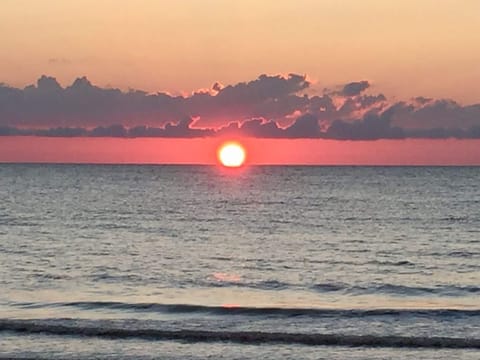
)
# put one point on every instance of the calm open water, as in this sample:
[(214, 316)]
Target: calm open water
[(264, 262)]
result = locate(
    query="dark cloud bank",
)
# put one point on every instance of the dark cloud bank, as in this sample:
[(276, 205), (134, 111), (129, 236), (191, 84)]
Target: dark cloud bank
[(268, 107)]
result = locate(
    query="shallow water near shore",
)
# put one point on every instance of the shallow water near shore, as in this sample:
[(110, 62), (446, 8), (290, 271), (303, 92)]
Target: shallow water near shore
[(264, 262)]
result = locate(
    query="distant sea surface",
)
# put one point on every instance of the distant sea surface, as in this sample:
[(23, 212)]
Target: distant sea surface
[(174, 262)]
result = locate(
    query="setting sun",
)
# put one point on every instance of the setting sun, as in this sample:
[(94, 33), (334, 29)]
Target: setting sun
[(231, 154)]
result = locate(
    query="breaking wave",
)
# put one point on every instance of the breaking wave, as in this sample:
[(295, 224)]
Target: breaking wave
[(256, 311), (242, 337)]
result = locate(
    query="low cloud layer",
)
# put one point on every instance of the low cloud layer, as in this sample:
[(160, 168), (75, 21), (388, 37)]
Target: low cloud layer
[(268, 107)]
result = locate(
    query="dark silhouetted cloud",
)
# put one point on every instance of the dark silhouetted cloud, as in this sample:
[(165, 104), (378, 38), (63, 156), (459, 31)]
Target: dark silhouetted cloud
[(373, 126), (355, 88), (267, 107)]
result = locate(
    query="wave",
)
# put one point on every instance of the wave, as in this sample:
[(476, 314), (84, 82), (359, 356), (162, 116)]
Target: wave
[(392, 289), (228, 280), (463, 254), (258, 311), (242, 337), (419, 290), (392, 263)]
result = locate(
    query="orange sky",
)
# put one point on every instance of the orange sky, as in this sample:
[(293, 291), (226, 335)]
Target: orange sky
[(405, 48), (260, 151)]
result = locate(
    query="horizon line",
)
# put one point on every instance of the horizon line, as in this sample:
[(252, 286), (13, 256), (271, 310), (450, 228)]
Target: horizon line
[(61, 163)]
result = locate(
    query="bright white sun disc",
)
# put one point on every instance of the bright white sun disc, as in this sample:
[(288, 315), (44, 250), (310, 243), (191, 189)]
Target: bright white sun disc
[(231, 155)]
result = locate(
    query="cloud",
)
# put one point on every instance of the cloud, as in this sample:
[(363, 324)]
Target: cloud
[(430, 114), (10, 131), (271, 106), (59, 61), (372, 127), (355, 88), (83, 104)]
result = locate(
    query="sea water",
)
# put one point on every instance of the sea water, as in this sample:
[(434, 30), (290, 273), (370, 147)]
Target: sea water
[(173, 262)]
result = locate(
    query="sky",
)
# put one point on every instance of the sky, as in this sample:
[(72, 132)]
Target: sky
[(167, 80)]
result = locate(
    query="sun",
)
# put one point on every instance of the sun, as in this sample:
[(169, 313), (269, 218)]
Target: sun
[(231, 154)]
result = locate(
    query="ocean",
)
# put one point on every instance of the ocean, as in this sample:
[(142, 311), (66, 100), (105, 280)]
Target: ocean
[(263, 262)]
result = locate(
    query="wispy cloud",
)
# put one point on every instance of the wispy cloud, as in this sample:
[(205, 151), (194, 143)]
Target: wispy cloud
[(59, 61)]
